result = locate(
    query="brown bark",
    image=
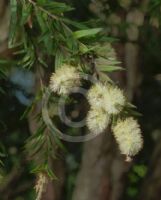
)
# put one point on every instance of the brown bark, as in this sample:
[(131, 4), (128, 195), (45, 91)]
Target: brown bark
[(91, 174), (132, 71), (99, 176), (152, 182)]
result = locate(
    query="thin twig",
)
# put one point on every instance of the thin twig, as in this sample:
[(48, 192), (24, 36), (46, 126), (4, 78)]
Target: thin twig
[(43, 10), (49, 14)]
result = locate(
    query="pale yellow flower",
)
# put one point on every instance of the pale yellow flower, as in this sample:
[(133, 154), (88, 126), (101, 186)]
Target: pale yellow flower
[(64, 79), (114, 100), (128, 136), (109, 98), (97, 120), (41, 185), (96, 95)]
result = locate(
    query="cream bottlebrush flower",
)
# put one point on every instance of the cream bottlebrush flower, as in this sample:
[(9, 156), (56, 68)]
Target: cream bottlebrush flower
[(41, 185), (64, 79), (114, 100), (109, 98), (128, 136), (96, 95), (97, 120)]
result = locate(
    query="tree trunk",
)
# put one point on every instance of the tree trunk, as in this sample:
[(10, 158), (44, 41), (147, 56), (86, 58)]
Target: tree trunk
[(152, 183), (99, 176)]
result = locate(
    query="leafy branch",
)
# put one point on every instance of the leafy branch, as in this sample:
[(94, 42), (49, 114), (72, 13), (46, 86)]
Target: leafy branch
[(42, 37), (42, 9)]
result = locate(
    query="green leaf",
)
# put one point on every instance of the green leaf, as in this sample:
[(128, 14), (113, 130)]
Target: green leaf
[(26, 12), (140, 170), (38, 169), (42, 62), (130, 105), (107, 65), (55, 7), (50, 173), (135, 113), (83, 48), (13, 23), (77, 25), (110, 68), (58, 59), (87, 32)]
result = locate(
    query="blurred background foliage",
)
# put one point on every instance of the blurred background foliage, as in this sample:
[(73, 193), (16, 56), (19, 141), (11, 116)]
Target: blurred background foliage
[(111, 14)]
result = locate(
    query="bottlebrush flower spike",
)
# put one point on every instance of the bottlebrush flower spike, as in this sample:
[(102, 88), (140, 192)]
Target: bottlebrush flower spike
[(41, 185), (64, 79), (96, 95), (107, 97), (97, 120), (114, 100), (128, 136)]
